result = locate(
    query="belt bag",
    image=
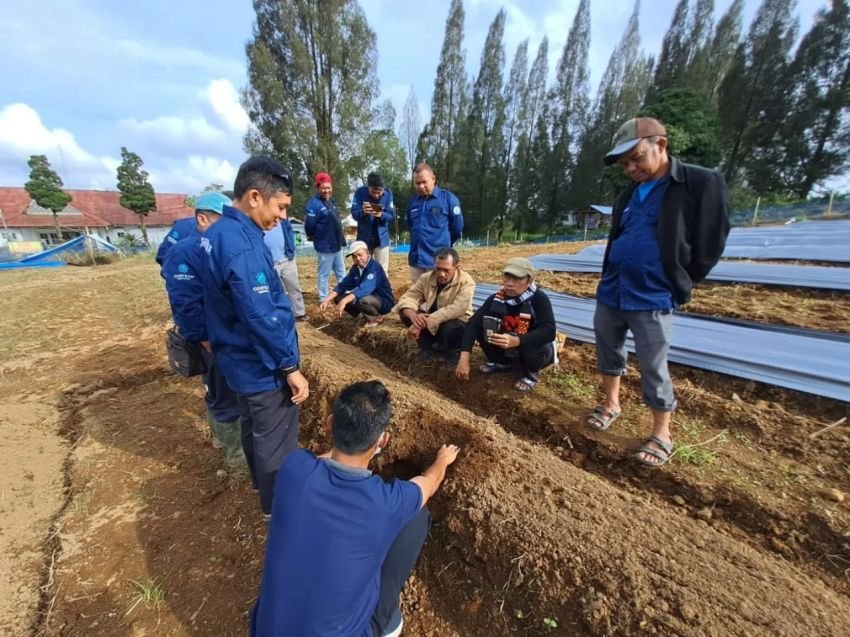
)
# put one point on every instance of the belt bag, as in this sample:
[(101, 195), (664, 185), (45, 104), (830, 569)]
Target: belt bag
[(184, 357)]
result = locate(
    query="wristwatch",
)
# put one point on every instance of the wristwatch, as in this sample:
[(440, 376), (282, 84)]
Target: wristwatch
[(291, 370)]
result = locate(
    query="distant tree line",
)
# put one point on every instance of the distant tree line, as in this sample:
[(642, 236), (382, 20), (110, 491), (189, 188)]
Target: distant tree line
[(769, 109)]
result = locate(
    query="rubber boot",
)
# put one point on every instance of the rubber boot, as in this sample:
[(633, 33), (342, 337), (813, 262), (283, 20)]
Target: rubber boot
[(230, 436), (216, 443)]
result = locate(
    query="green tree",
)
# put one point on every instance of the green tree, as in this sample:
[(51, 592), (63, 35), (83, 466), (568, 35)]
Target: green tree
[(311, 85), (715, 56), (618, 98), (693, 133), (480, 152), (570, 103), (515, 100), (815, 136), (752, 95), (675, 51), (534, 118), (411, 127), (45, 188), (448, 102), (136, 193)]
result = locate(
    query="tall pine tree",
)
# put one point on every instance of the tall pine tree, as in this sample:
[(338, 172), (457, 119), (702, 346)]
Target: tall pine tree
[(534, 120), (718, 54), (516, 100), (411, 125), (815, 137), (675, 51), (570, 105), (136, 192), (448, 101), (752, 99), (618, 98), (479, 151), (312, 83)]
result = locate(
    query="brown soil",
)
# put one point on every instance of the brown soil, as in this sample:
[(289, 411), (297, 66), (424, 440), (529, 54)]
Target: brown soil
[(540, 521)]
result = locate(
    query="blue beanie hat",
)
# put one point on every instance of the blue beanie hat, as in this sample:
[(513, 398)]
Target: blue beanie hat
[(211, 202)]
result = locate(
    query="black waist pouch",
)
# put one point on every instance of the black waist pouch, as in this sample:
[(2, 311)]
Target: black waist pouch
[(184, 358)]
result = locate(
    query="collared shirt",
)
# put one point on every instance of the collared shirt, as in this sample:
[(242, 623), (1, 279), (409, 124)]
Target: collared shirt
[(435, 222), (374, 231), (323, 226), (250, 322), (182, 271), (371, 279), (180, 229), (281, 242), (634, 278), (329, 534)]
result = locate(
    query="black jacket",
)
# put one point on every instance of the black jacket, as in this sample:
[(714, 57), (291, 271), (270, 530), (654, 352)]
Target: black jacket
[(692, 226)]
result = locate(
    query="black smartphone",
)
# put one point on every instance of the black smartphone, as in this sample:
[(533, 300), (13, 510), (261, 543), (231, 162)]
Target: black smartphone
[(492, 325)]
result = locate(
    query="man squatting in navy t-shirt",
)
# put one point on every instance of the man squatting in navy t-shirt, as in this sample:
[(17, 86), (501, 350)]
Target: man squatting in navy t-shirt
[(342, 542)]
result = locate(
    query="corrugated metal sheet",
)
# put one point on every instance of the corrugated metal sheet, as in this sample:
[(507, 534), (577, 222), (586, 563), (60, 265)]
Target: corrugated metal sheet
[(803, 276), (802, 362)]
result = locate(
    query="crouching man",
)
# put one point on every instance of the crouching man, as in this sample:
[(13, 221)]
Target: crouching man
[(365, 289), (436, 309), (515, 327), (342, 542)]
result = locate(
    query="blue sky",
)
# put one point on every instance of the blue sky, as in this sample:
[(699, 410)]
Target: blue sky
[(84, 77)]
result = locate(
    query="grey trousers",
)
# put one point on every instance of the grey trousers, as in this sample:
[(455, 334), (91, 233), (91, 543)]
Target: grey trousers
[(382, 256), (651, 331), (415, 273), (288, 272)]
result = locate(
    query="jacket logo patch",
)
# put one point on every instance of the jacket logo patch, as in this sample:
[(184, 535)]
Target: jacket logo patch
[(370, 276), (456, 210), (182, 268), (261, 278)]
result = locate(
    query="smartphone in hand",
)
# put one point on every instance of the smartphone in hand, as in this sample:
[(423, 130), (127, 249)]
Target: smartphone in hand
[(492, 325)]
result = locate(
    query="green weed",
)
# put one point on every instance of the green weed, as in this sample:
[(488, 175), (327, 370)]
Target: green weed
[(697, 456), (149, 592), (550, 623)]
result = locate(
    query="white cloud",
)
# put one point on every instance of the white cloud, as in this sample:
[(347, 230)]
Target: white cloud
[(22, 133), (173, 131), (224, 100), (191, 174), (170, 56)]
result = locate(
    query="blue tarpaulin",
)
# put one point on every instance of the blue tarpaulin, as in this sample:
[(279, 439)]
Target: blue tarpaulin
[(56, 256)]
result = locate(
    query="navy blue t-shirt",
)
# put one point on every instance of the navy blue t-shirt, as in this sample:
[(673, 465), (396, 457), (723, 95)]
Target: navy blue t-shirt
[(330, 532)]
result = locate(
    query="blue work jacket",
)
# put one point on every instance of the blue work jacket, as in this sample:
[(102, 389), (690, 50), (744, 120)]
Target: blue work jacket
[(250, 323), (180, 229), (435, 222), (371, 280), (323, 226), (182, 271), (375, 232)]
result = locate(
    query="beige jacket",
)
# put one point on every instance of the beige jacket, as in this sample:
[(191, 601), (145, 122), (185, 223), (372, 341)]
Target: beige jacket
[(454, 302)]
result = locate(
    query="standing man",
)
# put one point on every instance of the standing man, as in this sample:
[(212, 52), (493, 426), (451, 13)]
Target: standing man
[(281, 243), (434, 219), (182, 271), (342, 542), (436, 309), (250, 322), (373, 210), (180, 229), (668, 230), (324, 228), (365, 290)]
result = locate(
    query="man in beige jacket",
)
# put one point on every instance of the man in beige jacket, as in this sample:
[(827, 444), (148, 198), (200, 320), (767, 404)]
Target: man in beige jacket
[(435, 310)]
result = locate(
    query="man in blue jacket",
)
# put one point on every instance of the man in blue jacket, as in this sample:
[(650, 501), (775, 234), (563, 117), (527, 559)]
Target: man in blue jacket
[(281, 243), (180, 229), (373, 210), (434, 219), (365, 290), (324, 228), (181, 270), (250, 322)]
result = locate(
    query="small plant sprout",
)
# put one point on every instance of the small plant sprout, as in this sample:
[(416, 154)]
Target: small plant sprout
[(550, 622), (149, 592)]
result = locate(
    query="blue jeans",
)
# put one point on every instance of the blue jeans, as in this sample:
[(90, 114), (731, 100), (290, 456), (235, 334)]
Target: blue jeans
[(329, 261)]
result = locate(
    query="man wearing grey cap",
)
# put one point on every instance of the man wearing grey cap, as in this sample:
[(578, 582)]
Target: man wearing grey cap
[(668, 230), (515, 327)]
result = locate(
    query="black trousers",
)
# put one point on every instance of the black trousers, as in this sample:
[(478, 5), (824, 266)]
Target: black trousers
[(397, 567), (221, 401), (369, 305), (449, 335), (269, 433), (530, 359)]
